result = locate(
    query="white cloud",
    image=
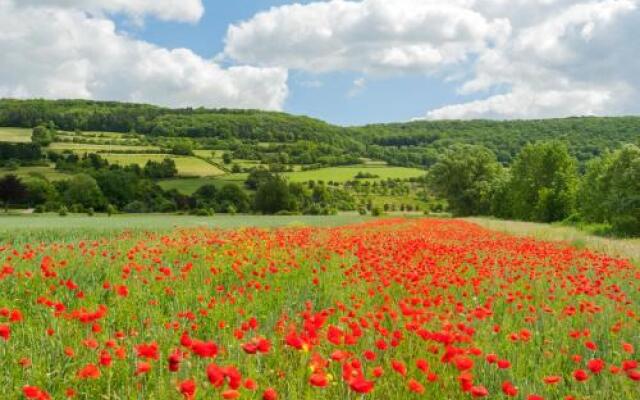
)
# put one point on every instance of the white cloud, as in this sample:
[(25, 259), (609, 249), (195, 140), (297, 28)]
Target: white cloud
[(547, 57), (358, 86), (571, 58), (58, 52), (366, 36), (528, 103)]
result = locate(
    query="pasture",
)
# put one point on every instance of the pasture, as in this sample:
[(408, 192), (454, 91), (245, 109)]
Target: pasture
[(347, 173), (187, 166), (98, 148), (19, 135)]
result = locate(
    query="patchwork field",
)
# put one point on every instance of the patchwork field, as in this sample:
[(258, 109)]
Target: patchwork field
[(347, 173), (187, 166), (94, 148), (48, 173), (21, 135), (387, 309), (190, 185)]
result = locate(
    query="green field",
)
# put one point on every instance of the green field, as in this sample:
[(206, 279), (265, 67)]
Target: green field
[(26, 172), (347, 173), (94, 148), (52, 226), (190, 185), (187, 166), (22, 135)]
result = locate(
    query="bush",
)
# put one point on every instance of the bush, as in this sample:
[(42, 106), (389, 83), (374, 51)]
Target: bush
[(135, 207), (376, 211), (63, 211), (111, 209)]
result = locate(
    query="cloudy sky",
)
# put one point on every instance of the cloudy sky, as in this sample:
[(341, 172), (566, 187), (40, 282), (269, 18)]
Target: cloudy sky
[(348, 62)]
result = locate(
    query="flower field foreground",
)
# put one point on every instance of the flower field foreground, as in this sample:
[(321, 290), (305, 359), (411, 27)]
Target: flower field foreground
[(393, 309)]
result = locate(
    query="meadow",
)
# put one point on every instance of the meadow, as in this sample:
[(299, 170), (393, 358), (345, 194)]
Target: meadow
[(18, 135), (95, 148), (347, 173), (48, 172), (383, 309), (186, 166)]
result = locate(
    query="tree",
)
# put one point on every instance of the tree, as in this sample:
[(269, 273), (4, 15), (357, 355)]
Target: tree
[(594, 190), (273, 196), (620, 186), (12, 190), (118, 186), (227, 158), (257, 177), (231, 196), (206, 196), (43, 135), (83, 190), (40, 191), (465, 176), (159, 170), (543, 182)]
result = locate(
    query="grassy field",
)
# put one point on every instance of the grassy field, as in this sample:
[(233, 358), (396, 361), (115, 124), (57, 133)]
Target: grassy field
[(187, 166), (190, 185), (93, 148), (22, 135), (347, 173), (26, 172), (28, 226), (628, 248)]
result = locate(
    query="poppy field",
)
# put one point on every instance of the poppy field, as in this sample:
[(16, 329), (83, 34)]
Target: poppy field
[(386, 309)]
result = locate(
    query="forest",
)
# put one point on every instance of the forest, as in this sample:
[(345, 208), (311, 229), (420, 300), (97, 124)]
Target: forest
[(416, 144)]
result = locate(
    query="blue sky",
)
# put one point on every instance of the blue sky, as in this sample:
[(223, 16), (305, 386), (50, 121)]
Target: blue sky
[(327, 96), (345, 61)]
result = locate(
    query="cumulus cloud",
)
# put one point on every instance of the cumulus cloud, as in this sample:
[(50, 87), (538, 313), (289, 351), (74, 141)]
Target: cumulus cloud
[(572, 58), (544, 57), (62, 52), (374, 36)]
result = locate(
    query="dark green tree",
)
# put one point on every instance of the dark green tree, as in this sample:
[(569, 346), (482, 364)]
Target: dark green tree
[(84, 191), (273, 196), (43, 135), (622, 188), (543, 182), (465, 176), (12, 191)]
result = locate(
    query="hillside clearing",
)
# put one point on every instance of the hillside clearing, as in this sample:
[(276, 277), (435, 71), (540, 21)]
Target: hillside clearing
[(21, 135), (187, 166)]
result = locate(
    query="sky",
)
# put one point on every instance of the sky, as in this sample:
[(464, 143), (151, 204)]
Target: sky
[(346, 62)]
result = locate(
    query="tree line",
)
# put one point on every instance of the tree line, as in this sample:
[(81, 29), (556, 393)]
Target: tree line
[(309, 141), (98, 186), (542, 184)]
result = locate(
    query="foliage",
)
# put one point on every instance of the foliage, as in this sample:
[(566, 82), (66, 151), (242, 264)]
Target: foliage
[(11, 190), (83, 190), (43, 135), (614, 183), (465, 176), (272, 195), (543, 183), (19, 151), (159, 170)]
